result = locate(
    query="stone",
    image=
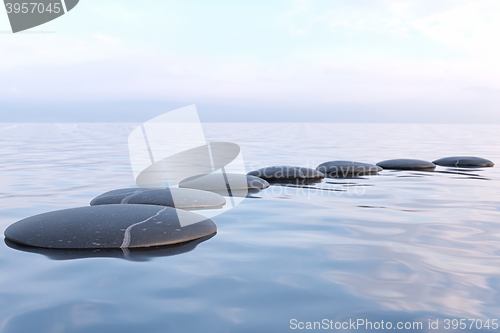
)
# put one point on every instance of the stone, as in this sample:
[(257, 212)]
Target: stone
[(347, 169), (406, 164), (110, 227), (286, 173), (464, 161), (217, 182), (134, 254), (172, 197)]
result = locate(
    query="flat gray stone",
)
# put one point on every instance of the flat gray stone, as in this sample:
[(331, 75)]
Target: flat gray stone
[(173, 197), (406, 164), (134, 254), (464, 161), (347, 169), (110, 227), (285, 173), (217, 182)]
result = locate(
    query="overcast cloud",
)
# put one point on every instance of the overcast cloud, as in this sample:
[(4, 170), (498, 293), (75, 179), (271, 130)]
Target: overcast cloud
[(365, 61)]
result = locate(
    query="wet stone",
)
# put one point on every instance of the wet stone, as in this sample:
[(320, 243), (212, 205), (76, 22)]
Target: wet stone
[(347, 169), (172, 197), (134, 254), (220, 182), (464, 161), (110, 227), (285, 173), (406, 164)]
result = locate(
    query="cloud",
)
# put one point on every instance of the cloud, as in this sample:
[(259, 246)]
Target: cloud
[(25, 52), (100, 68), (326, 56)]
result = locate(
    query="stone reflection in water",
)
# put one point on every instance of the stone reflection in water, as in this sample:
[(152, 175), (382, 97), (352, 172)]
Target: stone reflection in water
[(133, 254)]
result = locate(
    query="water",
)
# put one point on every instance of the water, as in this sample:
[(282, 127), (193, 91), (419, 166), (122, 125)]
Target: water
[(403, 246)]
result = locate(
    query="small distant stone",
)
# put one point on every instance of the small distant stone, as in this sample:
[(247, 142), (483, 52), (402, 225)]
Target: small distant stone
[(347, 169), (172, 197), (286, 173), (110, 227), (217, 182), (406, 164), (464, 161)]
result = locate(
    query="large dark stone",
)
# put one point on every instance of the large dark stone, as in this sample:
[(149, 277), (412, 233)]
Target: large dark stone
[(220, 182), (406, 164), (464, 161), (134, 254), (347, 169), (173, 197), (110, 227), (285, 173)]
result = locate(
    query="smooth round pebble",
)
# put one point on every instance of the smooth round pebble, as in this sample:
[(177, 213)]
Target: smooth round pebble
[(134, 254), (217, 182), (182, 198), (110, 227), (406, 164), (464, 161), (346, 169), (276, 173)]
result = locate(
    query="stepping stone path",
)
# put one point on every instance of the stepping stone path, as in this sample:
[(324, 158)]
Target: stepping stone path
[(464, 161), (287, 173), (137, 218), (406, 164), (173, 197), (347, 169), (110, 227)]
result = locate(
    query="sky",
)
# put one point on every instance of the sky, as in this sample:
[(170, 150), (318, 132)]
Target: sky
[(257, 61)]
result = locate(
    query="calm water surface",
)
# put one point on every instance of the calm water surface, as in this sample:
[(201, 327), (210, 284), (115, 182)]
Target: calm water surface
[(401, 246)]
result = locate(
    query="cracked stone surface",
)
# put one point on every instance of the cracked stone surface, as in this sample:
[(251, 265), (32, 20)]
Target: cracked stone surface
[(110, 227)]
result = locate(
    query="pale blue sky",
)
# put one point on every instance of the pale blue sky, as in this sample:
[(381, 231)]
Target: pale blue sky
[(348, 61)]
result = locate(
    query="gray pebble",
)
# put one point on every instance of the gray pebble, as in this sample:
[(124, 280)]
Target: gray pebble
[(217, 182), (406, 164), (347, 169), (464, 161), (277, 173), (184, 198), (110, 227), (134, 254)]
